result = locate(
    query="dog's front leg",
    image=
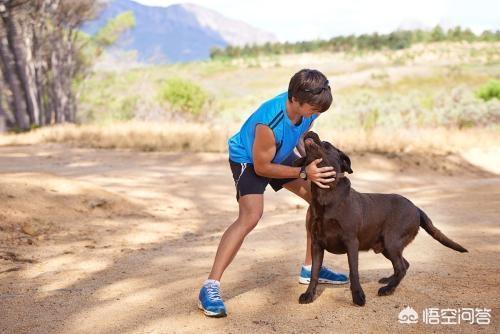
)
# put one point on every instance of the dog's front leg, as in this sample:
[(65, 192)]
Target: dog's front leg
[(317, 261), (358, 296)]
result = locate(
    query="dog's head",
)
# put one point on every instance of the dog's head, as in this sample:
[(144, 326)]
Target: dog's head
[(317, 149)]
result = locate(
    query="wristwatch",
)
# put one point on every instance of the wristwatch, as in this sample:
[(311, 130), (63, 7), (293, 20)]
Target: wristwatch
[(303, 174)]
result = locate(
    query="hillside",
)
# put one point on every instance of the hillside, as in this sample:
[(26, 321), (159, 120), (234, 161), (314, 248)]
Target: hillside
[(182, 32)]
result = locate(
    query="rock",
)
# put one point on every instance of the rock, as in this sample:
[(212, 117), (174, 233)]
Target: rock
[(97, 203), (29, 229)]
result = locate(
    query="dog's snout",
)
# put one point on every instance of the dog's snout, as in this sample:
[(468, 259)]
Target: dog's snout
[(309, 141)]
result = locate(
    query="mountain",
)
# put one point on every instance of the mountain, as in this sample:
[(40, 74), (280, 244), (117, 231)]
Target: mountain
[(181, 32)]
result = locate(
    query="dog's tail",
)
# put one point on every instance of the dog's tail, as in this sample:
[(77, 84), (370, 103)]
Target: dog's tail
[(426, 224)]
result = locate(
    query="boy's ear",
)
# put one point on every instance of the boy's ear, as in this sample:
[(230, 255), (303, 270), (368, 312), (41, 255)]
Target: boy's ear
[(299, 162), (345, 162)]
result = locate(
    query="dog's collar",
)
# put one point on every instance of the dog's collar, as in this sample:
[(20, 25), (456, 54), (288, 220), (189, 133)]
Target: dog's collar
[(339, 175)]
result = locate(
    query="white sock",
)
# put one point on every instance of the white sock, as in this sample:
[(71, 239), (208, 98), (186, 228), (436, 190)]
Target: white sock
[(306, 267), (211, 281)]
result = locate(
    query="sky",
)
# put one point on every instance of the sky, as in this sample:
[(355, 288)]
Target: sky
[(296, 20)]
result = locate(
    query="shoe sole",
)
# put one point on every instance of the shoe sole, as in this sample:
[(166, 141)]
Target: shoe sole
[(322, 281), (210, 313)]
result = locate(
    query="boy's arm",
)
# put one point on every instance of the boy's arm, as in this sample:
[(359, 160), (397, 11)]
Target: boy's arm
[(264, 149), (300, 145)]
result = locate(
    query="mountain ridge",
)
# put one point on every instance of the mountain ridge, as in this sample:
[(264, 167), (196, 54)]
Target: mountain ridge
[(177, 33)]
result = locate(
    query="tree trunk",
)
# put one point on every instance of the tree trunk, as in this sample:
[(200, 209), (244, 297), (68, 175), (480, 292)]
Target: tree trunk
[(3, 114), (6, 121), (3, 120), (9, 75), (68, 75), (30, 73), (4, 117), (55, 88), (37, 69), (19, 61)]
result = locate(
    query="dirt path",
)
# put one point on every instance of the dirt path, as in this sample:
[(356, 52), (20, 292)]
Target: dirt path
[(97, 241)]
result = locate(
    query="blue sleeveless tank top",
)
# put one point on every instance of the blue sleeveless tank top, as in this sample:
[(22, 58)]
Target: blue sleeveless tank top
[(273, 114)]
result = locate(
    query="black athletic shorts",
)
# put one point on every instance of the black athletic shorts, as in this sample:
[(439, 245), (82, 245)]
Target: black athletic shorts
[(248, 182)]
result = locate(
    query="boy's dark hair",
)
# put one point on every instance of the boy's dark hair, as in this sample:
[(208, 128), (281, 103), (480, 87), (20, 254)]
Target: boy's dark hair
[(311, 87)]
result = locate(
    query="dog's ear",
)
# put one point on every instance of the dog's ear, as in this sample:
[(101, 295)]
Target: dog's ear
[(299, 162), (345, 162)]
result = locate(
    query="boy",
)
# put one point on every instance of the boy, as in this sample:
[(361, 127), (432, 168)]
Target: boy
[(261, 153)]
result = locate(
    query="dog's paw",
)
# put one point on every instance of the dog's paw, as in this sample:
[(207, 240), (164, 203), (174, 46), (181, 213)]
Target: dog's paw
[(358, 297), (385, 280), (386, 290), (306, 298)]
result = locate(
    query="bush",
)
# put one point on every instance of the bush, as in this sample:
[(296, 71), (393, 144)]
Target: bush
[(126, 110), (184, 95), (370, 119), (490, 90)]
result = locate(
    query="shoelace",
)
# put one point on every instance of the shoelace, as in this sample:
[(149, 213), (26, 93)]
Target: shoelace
[(213, 293), (329, 273), (320, 269), (326, 271)]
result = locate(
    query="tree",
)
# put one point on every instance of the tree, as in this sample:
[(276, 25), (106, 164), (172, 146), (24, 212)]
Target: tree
[(437, 34), (12, 82), (43, 53), (16, 50)]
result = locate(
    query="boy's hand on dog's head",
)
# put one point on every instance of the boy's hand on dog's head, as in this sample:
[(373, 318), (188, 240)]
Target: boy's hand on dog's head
[(320, 175)]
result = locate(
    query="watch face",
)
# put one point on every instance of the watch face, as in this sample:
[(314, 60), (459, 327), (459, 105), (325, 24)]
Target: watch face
[(303, 175)]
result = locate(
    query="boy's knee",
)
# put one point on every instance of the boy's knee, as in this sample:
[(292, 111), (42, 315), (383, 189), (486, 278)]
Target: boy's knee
[(249, 220)]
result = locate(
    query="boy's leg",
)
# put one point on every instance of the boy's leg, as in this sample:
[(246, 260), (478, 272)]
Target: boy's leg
[(250, 211), (302, 188), (249, 192)]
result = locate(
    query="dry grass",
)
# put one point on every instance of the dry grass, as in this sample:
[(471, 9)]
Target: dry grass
[(435, 140), (196, 137), (139, 136)]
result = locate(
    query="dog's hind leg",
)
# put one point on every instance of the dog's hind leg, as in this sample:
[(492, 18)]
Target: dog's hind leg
[(386, 280), (399, 264)]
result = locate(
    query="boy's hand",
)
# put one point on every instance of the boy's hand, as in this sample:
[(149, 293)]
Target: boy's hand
[(320, 175)]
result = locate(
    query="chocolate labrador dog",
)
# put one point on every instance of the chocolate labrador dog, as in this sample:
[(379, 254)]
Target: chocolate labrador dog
[(346, 221)]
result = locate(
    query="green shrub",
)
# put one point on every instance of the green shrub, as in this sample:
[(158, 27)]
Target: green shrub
[(184, 95), (370, 119), (126, 109), (490, 90)]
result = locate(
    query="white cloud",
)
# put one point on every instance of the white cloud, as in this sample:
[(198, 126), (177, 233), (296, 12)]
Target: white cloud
[(301, 20)]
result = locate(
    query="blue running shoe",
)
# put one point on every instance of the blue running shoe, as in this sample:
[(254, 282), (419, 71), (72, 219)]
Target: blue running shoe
[(326, 275), (210, 301)]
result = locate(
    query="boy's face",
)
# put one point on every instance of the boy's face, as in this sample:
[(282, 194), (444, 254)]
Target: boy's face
[(305, 110)]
